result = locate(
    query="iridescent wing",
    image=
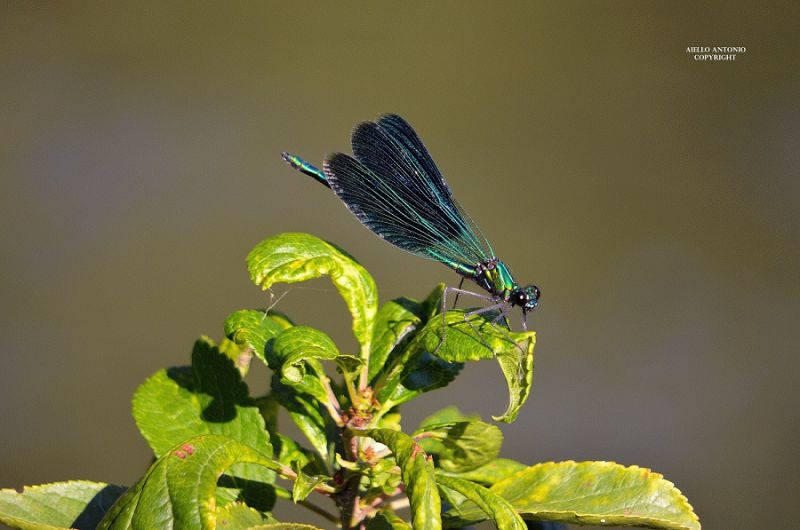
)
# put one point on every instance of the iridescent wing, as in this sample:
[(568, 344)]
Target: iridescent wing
[(395, 189)]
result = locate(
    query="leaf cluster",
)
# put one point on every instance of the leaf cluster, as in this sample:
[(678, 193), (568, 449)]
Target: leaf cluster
[(221, 460)]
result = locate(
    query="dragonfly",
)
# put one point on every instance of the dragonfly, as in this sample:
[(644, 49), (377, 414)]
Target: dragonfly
[(392, 185)]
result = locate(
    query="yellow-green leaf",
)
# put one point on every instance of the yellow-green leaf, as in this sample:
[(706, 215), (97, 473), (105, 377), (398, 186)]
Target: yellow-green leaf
[(179, 489), (239, 516), (251, 330), (495, 507), (462, 445), (599, 493), (297, 257), (57, 506), (207, 398), (455, 340)]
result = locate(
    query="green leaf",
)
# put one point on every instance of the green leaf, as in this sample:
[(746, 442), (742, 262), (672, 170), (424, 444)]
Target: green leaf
[(306, 414), (387, 520), (394, 321), (304, 484), (251, 330), (432, 305), (492, 472), (518, 372), (298, 352), (461, 446), (447, 415), (495, 507), (75, 504), (417, 473), (285, 526), (411, 376), (208, 398), (239, 516), (480, 339), (241, 357), (178, 491), (287, 451), (301, 347), (600, 493), (295, 257)]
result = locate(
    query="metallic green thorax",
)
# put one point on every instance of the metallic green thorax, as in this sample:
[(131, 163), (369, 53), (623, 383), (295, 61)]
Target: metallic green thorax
[(492, 276)]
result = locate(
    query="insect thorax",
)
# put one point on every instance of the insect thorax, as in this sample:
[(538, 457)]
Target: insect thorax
[(493, 276)]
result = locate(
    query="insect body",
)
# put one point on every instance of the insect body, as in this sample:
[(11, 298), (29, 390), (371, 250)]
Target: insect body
[(393, 187)]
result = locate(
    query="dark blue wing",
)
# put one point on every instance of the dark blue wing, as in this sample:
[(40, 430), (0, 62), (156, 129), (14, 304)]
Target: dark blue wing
[(395, 190)]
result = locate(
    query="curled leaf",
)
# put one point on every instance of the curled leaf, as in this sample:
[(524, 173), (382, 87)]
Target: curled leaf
[(251, 330), (299, 350), (454, 340), (297, 257)]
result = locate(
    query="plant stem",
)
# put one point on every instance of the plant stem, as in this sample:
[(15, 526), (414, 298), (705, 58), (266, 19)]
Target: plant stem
[(333, 404), (363, 381), (351, 391)]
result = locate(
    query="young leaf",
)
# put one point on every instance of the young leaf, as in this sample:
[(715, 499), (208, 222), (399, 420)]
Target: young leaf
[(75, 504), (295, 257), (304, 484), (601, 493), (461, 446), (178, 491), (417, 473), (239, 516), (301, 344), (208, 398), (298, 352), (495, 507), (251, 330)]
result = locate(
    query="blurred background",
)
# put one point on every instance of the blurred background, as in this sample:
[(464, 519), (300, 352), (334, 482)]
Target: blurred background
[(653, 198)]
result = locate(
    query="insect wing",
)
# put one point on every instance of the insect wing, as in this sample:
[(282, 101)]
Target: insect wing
[(395, 190)]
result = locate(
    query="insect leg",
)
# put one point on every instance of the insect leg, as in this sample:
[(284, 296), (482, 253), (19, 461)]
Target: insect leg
[(458, 290), (273, 301), (498, 305), (460, 284)]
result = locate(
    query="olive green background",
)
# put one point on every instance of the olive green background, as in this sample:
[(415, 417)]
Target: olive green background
[(652, 197)]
